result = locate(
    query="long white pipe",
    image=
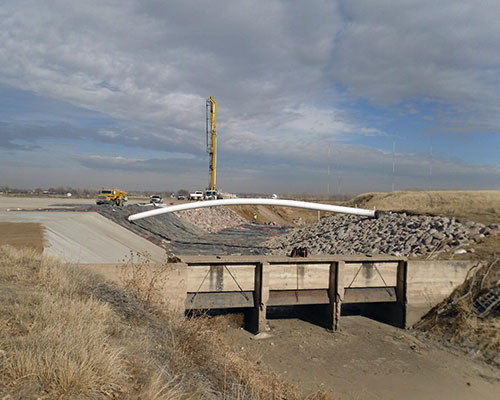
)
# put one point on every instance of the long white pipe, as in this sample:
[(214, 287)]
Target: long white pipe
[(260, 202)]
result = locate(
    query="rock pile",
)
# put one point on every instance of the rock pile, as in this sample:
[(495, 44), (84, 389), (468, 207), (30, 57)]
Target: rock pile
[(393, 233), (212, 219)]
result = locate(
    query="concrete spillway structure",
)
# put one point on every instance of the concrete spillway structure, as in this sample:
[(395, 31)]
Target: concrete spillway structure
[(390, 289), (256, 283)]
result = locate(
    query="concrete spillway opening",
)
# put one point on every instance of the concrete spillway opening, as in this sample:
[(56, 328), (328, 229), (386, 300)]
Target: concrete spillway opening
[(389, 313), (319, 289)]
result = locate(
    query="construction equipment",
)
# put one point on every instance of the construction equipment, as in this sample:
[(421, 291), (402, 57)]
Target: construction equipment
[(112, 196), (211, 116)]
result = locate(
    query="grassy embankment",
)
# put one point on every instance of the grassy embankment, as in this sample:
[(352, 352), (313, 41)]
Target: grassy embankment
[(67, 334), (467, 205)]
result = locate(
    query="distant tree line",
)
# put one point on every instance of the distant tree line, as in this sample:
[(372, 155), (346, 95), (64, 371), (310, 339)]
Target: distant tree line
[(79, 192), (60, 190)]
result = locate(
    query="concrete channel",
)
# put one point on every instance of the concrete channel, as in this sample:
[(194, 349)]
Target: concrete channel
[(85, 237)]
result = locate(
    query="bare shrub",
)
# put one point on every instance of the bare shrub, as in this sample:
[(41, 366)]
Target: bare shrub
[(198, 349), (143, 278)]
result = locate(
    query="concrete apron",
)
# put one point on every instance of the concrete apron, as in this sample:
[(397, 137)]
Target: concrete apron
[(389, 289)]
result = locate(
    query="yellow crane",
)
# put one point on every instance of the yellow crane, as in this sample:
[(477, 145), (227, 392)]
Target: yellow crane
[(211, 114)]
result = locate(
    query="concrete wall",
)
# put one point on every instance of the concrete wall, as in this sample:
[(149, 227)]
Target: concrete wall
[(431, 281)]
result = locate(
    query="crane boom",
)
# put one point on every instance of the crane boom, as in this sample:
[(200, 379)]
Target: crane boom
[(211, 111)]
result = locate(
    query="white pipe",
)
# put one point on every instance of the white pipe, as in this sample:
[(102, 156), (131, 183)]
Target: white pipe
[(260, 202)]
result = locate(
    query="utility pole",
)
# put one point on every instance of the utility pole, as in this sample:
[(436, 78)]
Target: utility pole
[(430, 170), (328, 182), (393, 162)]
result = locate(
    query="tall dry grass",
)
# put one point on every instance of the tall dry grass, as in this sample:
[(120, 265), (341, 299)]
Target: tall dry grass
[(67, 334), (58, 341), (54, 340)]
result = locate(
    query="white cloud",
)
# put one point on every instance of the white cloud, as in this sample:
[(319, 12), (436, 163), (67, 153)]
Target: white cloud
[(449, 52), (274, 66)]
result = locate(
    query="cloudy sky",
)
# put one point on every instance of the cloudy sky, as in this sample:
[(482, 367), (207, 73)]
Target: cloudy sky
[(313, 96)]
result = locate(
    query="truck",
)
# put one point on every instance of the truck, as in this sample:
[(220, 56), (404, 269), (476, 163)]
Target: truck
[(212, 194), (197, 195), (111, 196)]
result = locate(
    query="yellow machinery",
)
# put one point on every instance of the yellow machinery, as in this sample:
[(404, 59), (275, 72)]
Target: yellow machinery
[(112, 196), (211, 113)]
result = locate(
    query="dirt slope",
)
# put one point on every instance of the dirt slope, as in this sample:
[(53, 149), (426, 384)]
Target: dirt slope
[(22, 235), (366, 360), (279, 215), (480, 206)]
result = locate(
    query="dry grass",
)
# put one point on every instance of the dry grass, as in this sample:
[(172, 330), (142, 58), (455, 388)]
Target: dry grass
[(474, 205), (453, 321), (54, 341), (67, 334)]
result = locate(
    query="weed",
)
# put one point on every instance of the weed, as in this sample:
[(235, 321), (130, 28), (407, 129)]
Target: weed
[(143, 279)]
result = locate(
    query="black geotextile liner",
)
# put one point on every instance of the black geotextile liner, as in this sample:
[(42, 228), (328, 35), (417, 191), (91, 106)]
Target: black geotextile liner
[(180, 236)]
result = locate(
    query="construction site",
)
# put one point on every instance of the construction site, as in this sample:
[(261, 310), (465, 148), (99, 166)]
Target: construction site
[(385, 296)]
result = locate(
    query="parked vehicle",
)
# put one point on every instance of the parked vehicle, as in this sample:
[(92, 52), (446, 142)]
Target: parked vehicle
[(198, 195), (156, 198)]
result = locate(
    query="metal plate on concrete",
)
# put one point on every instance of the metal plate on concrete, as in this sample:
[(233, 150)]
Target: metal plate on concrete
[(370, 295), (370, 274), (299, 276), (197, 301), (293, 297)]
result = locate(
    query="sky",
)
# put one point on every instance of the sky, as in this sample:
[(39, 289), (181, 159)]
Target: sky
[(323, 97)]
